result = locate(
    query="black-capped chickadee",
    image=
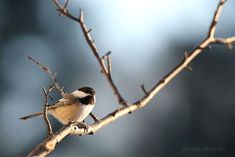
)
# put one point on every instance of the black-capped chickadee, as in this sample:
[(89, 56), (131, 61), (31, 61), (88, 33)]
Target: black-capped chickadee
[(75, 106)]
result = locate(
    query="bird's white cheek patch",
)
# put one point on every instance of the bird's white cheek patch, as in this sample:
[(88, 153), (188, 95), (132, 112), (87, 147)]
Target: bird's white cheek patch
[(79, 94)]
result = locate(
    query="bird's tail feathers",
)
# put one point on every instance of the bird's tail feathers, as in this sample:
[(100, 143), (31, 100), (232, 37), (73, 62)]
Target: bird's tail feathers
[(31, 115)]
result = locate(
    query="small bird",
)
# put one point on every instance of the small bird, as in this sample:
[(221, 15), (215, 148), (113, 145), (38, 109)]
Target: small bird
[(75, 106)]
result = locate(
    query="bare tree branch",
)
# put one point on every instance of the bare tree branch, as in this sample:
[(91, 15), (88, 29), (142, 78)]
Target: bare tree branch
[(49, 144), (91, 43)]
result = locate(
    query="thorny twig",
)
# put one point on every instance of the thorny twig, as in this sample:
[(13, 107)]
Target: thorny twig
[(49, 144)]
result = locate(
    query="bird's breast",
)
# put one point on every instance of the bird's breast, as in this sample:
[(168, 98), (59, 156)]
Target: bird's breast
[(75, 112)]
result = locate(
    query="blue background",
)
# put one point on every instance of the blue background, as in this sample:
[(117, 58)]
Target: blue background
[(147, 39)]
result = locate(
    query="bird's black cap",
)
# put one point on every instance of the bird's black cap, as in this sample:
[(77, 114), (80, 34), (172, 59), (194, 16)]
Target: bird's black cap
[(88, 90)]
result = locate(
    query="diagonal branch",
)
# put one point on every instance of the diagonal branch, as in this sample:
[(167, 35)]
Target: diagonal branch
[(86, 32), (49, 144)]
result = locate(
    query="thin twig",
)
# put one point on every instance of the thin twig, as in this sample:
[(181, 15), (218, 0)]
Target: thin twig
[(50, 143), (106, 58), (51, 74), (45, 114), (107, 54), (109, 63)]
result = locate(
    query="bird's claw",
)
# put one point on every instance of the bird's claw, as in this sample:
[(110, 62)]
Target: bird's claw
[(81, 125)]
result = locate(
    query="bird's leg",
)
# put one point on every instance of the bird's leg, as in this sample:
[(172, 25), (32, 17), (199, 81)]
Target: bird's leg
[(94, 117)]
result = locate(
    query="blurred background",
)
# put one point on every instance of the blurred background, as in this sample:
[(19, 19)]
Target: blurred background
[(192, 116)]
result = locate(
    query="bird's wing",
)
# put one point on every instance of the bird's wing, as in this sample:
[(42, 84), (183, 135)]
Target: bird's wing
[(66, 101)]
